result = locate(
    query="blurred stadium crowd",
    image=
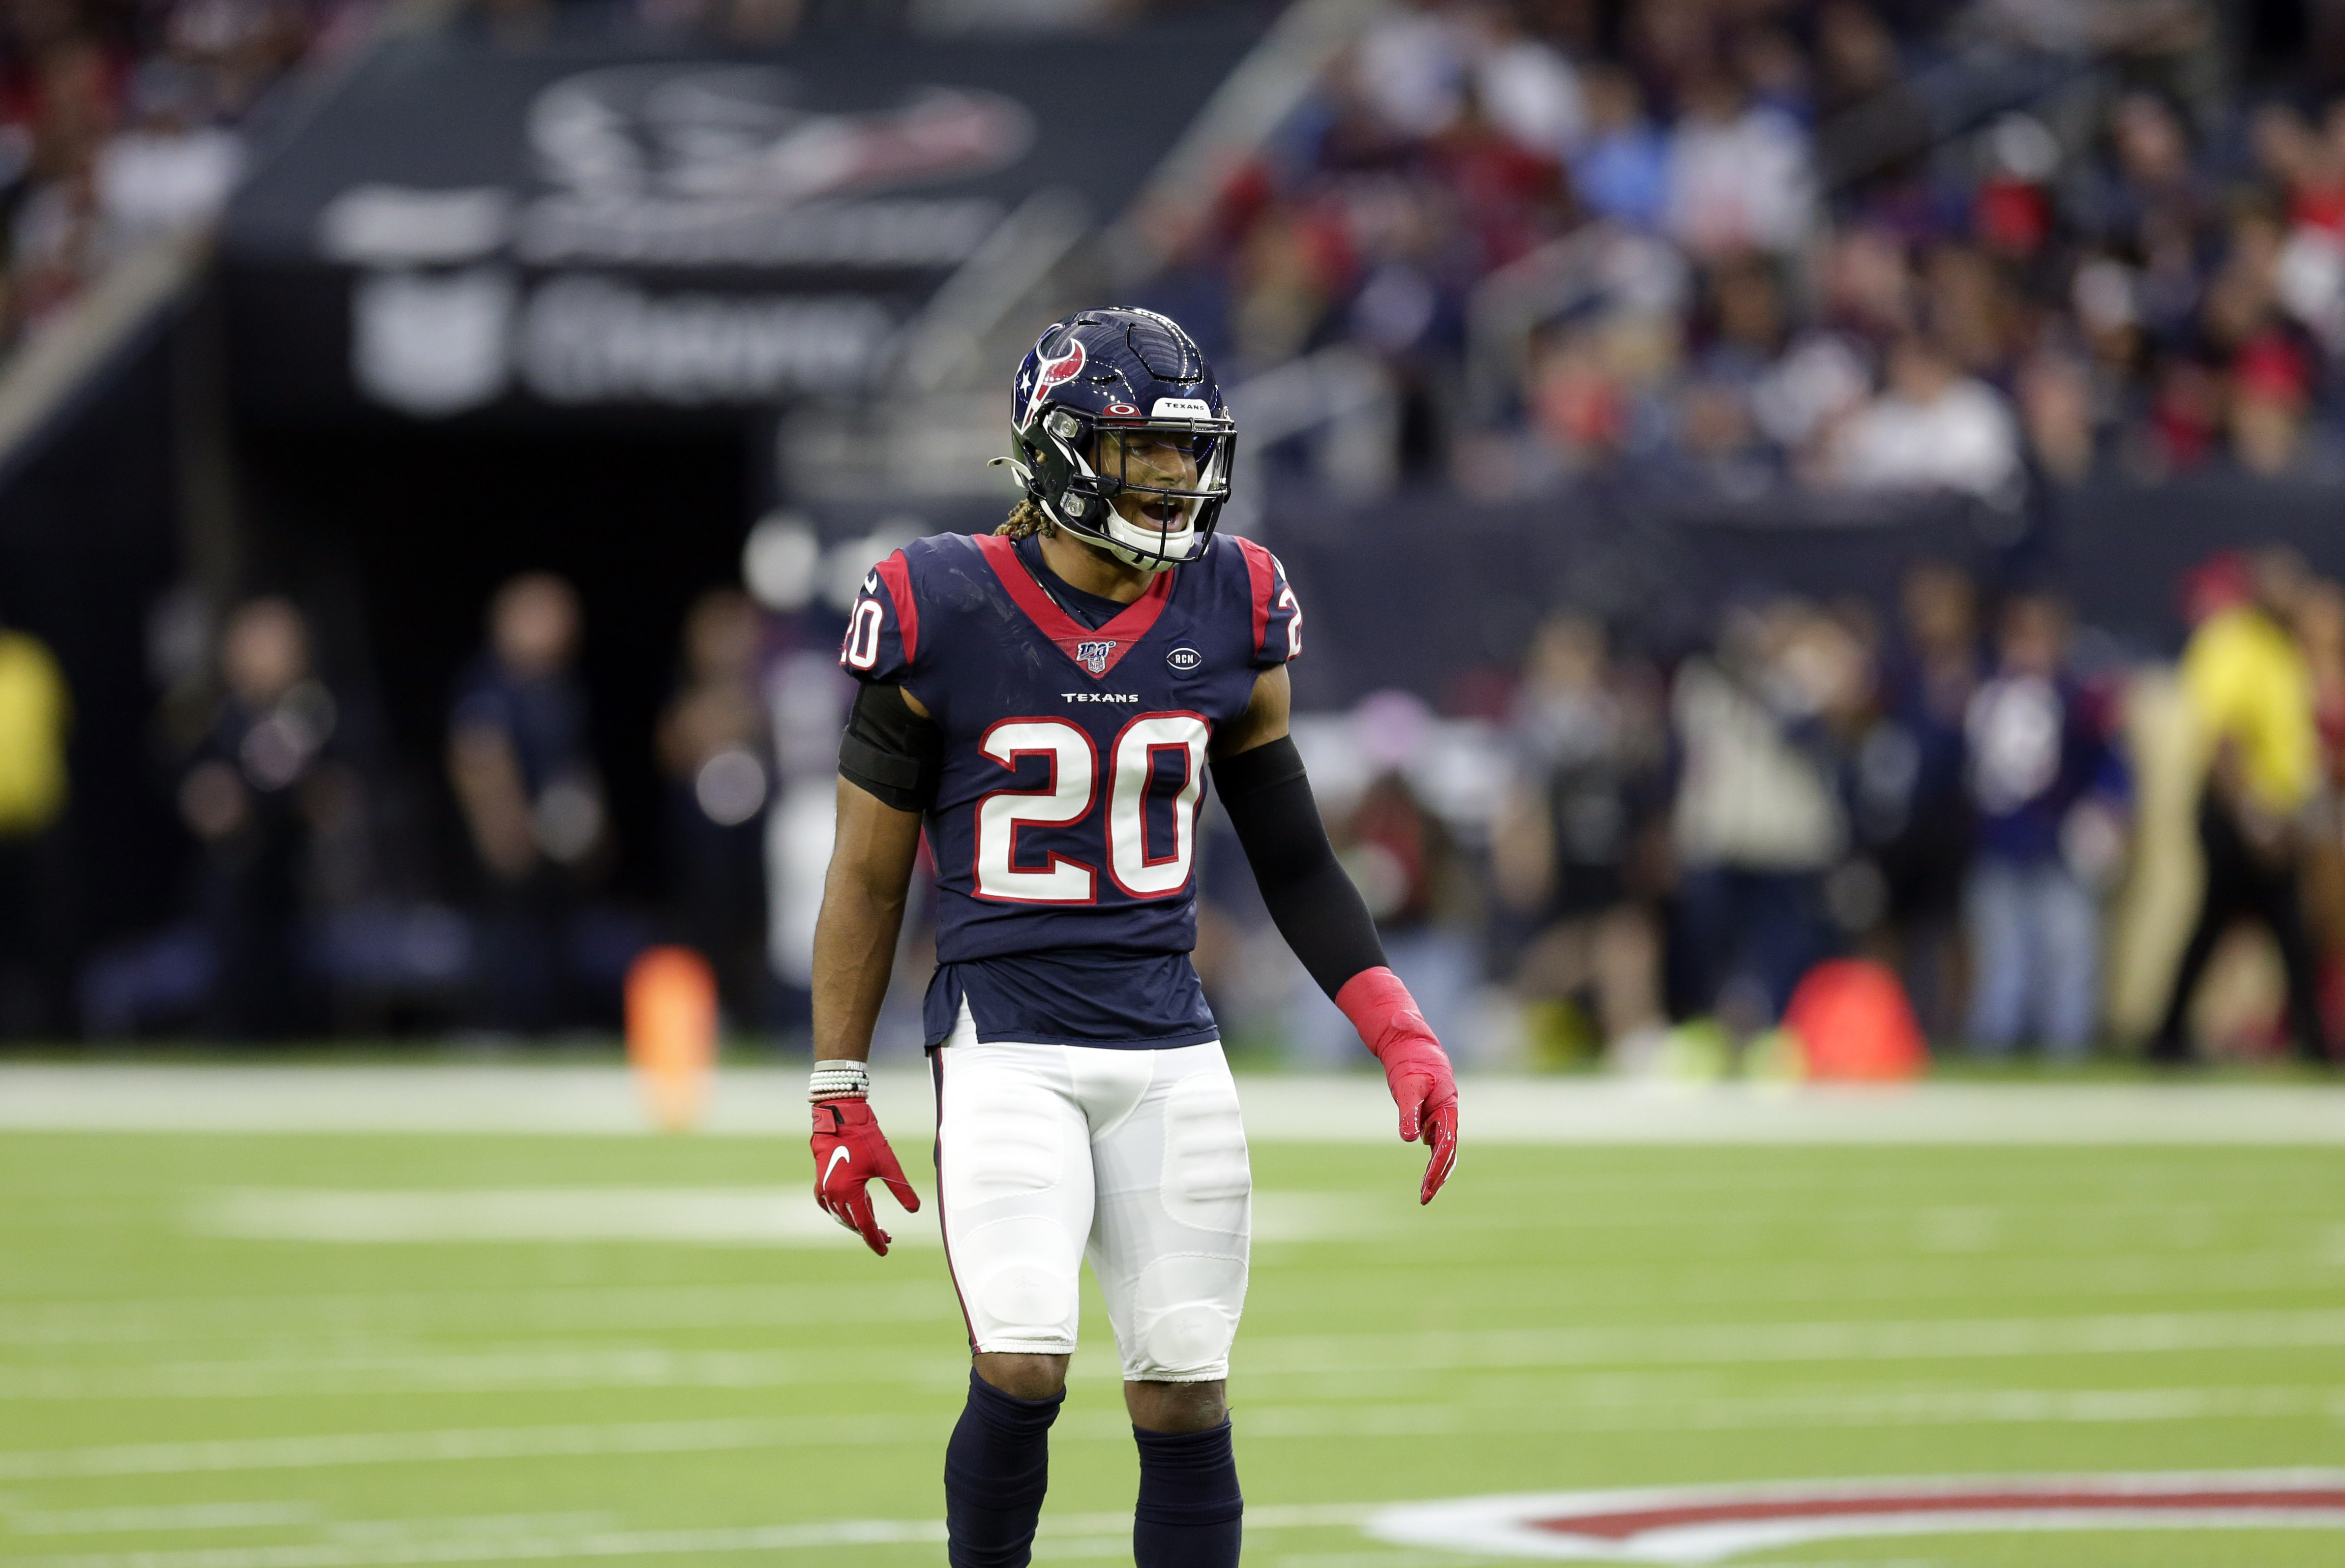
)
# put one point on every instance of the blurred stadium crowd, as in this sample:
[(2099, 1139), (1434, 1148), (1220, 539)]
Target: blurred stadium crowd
[(1636, 856), (1727, 245), (127, 123), (120, 127)]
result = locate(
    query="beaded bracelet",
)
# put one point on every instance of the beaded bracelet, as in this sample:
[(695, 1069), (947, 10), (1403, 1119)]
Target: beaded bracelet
[(839, 1079)]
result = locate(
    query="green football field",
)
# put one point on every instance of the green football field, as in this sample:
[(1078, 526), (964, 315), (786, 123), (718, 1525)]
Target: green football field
[(297, 1349)]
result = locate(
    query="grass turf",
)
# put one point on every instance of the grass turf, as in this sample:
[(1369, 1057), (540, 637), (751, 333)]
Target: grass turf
[(1562, 1319)]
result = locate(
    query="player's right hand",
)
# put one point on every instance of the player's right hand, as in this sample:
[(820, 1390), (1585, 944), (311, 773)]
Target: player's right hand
[(850, 1149), (1416, 1069)]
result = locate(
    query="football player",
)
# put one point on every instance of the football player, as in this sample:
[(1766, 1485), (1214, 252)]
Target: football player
[(1047, 701)]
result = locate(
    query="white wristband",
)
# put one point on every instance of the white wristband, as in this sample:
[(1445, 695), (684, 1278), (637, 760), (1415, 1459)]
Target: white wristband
[(839, 1079)]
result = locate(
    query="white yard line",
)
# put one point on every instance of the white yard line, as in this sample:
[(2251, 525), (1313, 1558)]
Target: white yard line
[(1260, 1357), (1730, 1344), (457, 1445), (763, 1100), (1633, 1405), (347, 1318), (386, 1543), (102, 1320), (1884, 1409)]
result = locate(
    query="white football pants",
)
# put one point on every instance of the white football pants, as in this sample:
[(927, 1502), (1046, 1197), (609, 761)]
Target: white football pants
[(1045, 1153)]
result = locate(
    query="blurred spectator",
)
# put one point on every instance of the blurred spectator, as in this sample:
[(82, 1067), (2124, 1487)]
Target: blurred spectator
[(2250, 691), (261, 784), (1527, 87), (2010, 212), (1856, 56), (2047, 793), (169, 170), (1931, 428), (1756, 821), (1738, 175), (1911, 806), (1621, 169), (2056, 409), (2146, 199), (522, 766), (1588, 735), (36, 714), (716, 752), (2270, 435), (1411, 67)]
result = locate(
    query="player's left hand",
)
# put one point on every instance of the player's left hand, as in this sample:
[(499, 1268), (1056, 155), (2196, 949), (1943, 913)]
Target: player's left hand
[(849, 1151), (1416, 1069)]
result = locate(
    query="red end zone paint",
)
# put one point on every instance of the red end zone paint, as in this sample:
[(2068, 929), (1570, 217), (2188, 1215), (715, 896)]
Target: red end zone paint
[(1715, 1525), (1624, 1526)]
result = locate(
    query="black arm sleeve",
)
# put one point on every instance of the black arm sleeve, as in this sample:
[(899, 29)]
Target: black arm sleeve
[(1315, 905), (891, 752)]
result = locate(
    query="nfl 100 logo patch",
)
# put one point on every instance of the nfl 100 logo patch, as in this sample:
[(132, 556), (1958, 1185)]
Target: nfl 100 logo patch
[(1093, 656)]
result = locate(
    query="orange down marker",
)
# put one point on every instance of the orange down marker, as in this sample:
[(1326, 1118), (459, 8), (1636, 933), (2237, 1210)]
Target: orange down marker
[(672, 1032), (1854, 1025)]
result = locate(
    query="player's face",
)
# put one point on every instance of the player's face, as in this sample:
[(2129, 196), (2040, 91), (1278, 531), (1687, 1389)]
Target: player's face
[(1155, 460)]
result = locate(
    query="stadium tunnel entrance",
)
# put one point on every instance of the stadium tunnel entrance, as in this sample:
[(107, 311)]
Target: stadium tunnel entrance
[(395, 537)]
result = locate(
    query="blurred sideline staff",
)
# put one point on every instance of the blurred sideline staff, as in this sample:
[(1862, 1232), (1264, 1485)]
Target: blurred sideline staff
[(2250, 691), (520, 760), (1577, 860), (714, 741), (262, 785), (35, 716)]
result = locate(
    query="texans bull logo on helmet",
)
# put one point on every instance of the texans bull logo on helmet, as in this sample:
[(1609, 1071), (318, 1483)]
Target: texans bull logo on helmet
[(1053, 372)]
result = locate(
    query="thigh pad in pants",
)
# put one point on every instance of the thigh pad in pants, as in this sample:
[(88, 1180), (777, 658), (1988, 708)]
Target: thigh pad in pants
[(1138, 1153)]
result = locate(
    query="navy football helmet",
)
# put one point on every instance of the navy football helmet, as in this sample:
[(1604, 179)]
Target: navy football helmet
[(1121, 437)]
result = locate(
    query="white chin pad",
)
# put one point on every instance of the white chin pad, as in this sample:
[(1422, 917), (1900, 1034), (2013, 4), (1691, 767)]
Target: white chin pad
[(1150, 547)]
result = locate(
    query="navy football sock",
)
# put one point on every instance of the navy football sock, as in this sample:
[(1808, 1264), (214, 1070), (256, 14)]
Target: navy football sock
[(1189, 1514), (997, 1467)]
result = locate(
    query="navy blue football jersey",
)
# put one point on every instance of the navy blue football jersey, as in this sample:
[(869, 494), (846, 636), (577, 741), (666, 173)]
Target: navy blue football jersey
[(1064, 831)]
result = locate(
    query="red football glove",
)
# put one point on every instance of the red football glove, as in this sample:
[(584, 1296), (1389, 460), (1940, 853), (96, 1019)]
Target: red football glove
[(1415, 1066), (850, 1149)]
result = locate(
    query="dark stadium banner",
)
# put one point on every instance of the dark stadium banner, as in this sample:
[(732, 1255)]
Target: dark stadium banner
[(463, 229)]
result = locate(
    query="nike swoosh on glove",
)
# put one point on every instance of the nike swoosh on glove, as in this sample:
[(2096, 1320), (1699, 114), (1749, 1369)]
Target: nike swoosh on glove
[(1415, 1066), (850, 1149)]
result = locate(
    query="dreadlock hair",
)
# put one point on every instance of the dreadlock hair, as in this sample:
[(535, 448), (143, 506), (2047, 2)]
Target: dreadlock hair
[(1025, 518)]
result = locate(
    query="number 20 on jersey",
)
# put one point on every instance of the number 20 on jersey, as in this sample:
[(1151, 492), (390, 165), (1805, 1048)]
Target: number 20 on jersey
[(1140, 867)]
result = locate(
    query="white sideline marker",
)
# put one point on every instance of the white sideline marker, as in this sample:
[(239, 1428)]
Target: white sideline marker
[(569, 1099)]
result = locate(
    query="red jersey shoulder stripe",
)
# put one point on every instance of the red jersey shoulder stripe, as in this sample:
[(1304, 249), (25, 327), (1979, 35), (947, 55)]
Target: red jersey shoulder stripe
[(1263, 571), (897, 573)]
